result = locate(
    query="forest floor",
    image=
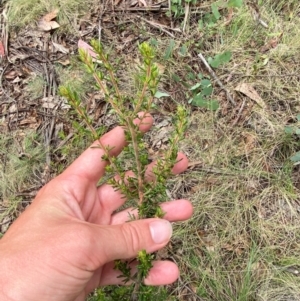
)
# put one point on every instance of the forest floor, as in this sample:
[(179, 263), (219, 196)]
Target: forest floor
[(243, 241)]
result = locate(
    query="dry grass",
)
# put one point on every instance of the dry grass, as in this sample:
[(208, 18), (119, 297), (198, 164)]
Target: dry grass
[(243, 240), (22, 159), (23, 12)]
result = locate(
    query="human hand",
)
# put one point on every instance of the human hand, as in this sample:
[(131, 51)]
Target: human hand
[(64, 244)]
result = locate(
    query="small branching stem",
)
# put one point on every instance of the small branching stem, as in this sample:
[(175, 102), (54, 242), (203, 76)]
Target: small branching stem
[(137, 161), (85, 119), (111, 74), (141, 98), (105, 91), (147, 197)]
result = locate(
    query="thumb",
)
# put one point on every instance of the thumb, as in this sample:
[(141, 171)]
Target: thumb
[(124, 241)]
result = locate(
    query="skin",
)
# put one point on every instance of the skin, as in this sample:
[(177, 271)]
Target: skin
[(64, 244)]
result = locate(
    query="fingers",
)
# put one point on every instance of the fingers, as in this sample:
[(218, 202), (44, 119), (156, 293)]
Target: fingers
[(90, 165), (162, 273), (112, 199), (179, 167), (124, 241), (178, 210)]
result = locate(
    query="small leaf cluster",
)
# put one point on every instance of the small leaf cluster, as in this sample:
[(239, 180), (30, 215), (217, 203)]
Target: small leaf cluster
[(201, 93), (211, 19), (177, 6), (145, 188), (220, 59)]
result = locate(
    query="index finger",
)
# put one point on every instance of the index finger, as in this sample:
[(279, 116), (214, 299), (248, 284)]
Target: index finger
[(90, 165)]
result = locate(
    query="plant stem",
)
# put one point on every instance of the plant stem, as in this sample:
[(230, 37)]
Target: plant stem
[(137, 161), (95, 135), (140, 101), (111, 75), (105, 91)]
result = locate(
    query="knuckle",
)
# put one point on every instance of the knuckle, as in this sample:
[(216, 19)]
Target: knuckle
[(132, 237)]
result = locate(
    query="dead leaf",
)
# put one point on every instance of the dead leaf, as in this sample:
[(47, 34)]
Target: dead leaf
[(209, 242), (46, 23), (229, 17), (50, 16), (249, 141), (86, 47), (47, 26), (29, 121), (161, 68), (11, 75), (55, 101), (249, 91), (60, 48), (247, 144), (16, 80), (271, 44), (2, 50), (64, 63), (142, 3), (238, 245)]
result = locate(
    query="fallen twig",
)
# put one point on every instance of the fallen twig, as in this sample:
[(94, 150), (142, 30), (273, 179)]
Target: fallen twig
[(144, 9), (213, 74), (159, 26), (239, 113), (170, 12), (186, 15), (210, 169)]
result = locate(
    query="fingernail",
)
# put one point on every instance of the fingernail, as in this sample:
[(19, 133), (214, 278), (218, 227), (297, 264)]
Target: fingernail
[(161, 231)]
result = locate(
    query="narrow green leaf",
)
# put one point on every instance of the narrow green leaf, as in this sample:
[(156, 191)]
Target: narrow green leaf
[(235, 3), (183, 50), (160, 94), (195, 87), (169, 50), (215, 11)]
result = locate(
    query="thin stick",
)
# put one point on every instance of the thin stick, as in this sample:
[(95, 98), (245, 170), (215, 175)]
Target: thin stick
[(170, 12), (267, 75), (156, 25), (186, 15), (213, 74), (143, 9), (239, 113)]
